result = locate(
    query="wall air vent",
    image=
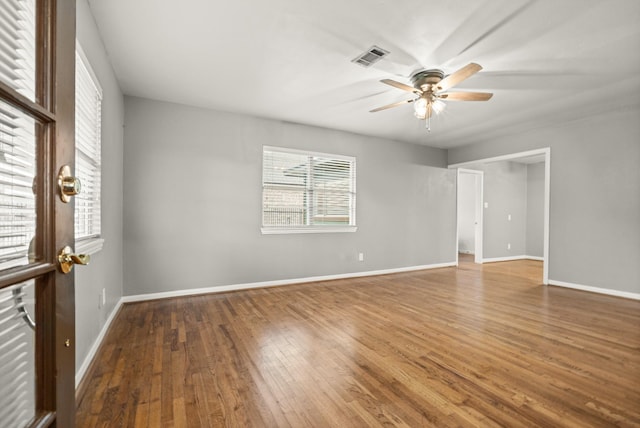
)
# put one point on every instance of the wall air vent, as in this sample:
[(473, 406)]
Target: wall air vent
[(371, 56)]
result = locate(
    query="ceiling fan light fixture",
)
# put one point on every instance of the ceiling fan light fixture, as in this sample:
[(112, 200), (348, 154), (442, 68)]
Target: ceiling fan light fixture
[(438, 106), (420, 108), (421, 105)]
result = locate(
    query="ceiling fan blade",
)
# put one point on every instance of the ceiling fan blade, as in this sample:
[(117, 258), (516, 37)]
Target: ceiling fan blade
[(401, 86), (458, 76), (466, 96), (399, 103)]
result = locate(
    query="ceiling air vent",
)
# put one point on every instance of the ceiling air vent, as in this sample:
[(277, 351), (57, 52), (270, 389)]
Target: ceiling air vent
[(370, 57)]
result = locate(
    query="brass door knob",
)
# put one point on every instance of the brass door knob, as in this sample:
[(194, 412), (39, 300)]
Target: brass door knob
[(67, 259), (69, 185)]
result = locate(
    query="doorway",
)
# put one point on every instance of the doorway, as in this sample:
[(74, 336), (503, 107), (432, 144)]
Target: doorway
[(532, 156), (469, 213)]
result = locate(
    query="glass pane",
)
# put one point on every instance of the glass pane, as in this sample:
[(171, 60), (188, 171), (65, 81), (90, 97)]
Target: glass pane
[(283, 206), (17, 187), (17, 351), (18, 46), (331, 207), (88, 162), (285, 168)]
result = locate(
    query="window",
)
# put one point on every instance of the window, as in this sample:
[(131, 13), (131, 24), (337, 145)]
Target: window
[(307, 192), (88, 165)]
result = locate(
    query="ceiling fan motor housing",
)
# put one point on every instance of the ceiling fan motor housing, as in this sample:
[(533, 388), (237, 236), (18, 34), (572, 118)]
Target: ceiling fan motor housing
[(424, 79)]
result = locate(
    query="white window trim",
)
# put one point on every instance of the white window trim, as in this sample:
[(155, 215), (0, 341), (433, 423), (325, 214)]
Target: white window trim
[(280, 230), (284, 230), (88, 66), (307, 153), (89, 245)]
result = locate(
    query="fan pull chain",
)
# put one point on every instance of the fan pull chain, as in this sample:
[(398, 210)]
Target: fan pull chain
[(428, 121)]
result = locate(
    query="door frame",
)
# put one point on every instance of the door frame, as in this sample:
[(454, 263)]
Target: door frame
[(546, 151), (479, 198)]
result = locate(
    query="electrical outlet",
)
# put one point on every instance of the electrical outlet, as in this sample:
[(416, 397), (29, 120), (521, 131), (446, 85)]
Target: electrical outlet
[(486, 204), (508, 246), (509, 217), (360, 257)]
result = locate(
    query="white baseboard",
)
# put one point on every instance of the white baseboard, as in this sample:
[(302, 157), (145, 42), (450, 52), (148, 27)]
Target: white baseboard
[(599, 290), (96, 344), (235, 287), (510, 258)]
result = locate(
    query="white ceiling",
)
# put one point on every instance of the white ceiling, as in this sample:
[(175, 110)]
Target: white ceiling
[(546, 61)]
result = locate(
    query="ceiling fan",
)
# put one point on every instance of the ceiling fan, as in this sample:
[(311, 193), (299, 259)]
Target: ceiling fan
[(430, 86)]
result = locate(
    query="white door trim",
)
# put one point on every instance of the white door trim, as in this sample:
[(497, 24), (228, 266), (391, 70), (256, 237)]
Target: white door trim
[(547, 192)]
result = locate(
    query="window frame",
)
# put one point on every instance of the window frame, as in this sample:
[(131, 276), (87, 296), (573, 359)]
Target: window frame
[(313, 228), (93, 243)]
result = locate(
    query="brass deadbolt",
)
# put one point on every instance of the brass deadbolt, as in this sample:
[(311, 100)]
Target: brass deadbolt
[(68, 184)]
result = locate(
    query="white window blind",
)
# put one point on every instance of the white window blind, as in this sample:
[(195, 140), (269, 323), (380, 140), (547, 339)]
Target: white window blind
[(17, 172), (17, 362), (88, 146), (18, 46), (307, 191), (17, 134)]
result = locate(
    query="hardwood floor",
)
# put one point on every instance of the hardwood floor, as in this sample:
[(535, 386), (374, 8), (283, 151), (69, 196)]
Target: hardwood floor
[(467, 346)]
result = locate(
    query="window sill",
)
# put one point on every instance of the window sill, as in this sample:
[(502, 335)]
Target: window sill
[(89, 246), (291, 230)]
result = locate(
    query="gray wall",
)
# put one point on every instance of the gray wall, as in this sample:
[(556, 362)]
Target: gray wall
[(594, 222), (535, 210), (192, 202), (105, 269), (505, 190)]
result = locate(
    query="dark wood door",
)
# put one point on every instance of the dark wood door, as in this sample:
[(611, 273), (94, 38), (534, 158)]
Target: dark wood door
[(37, 322)]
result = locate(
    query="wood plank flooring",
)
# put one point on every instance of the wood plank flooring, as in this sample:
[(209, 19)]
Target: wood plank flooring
[(468, 346)]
